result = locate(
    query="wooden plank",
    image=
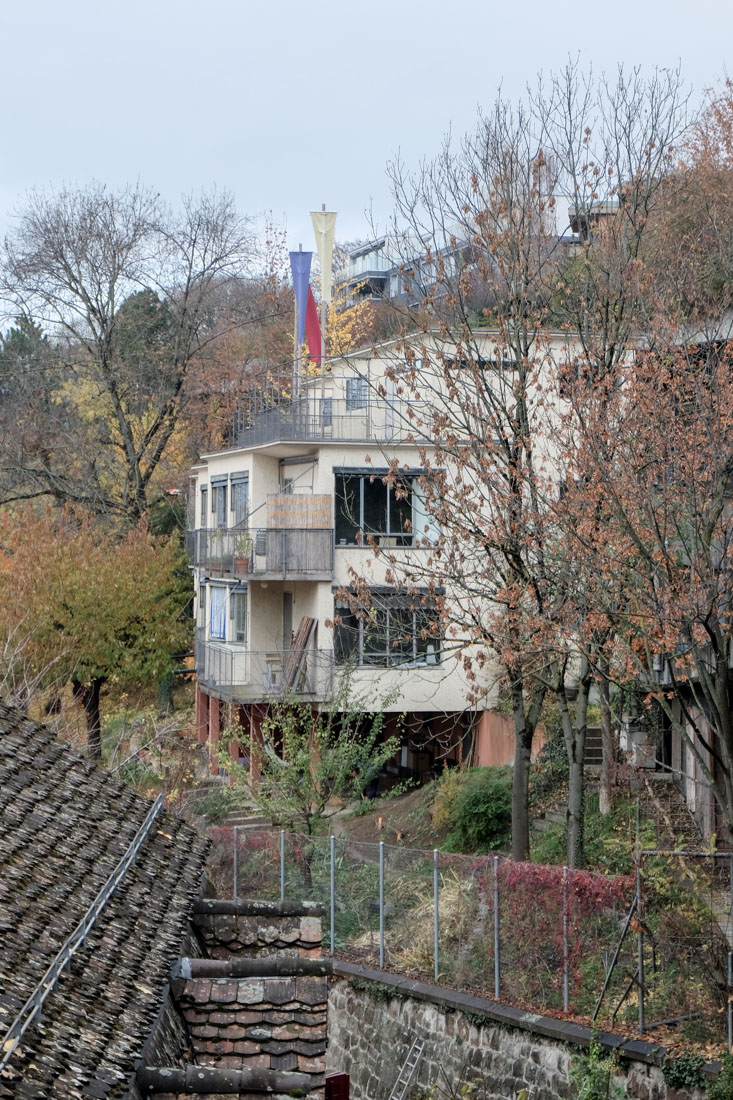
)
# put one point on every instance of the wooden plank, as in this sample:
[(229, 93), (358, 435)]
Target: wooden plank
[(298, 652)]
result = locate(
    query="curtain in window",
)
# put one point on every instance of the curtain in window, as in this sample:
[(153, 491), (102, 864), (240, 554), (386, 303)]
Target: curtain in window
[(217, 612), (240, 500)]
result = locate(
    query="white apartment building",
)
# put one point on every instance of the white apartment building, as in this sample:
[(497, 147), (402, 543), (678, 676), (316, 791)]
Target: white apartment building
[(280, 523)]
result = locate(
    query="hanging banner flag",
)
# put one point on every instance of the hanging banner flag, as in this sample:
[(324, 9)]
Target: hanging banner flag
[(324, 227), (313, 328), (300, 265)]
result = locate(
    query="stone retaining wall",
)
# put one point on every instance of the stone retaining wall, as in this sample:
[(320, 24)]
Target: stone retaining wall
[(371, 1026)]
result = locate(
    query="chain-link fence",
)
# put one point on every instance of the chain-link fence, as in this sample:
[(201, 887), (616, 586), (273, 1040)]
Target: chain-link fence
[(645, 951)]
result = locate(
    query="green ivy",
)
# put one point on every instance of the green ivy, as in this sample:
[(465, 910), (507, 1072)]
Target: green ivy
[(684, 1071)]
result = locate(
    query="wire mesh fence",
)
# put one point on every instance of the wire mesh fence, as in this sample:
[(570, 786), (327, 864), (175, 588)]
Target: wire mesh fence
[(642, 951)]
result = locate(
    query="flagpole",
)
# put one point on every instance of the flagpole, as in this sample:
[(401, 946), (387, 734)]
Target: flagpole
[(296, 344), (324, 306)]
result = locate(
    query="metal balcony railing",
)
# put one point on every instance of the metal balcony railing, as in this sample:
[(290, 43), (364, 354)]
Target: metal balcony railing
[(276, 552), (322, 419), (240, 675)]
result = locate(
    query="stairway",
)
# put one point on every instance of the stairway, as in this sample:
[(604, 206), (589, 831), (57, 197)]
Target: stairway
[(559, 812), (593, 747), (661, 802)]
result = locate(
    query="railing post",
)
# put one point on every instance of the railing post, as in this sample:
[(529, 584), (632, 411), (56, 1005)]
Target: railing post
[(381, 905), (565, 990), (497, 970), (333, 893), (435, 918), (730, 1002), (282, 865), (235, 868)]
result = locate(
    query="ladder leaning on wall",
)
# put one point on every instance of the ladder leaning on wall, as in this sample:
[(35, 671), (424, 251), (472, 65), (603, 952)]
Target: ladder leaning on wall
[(407, 1074)]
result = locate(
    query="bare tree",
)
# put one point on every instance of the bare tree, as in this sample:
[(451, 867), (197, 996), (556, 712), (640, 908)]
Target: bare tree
[(128, 288), (484, 220)]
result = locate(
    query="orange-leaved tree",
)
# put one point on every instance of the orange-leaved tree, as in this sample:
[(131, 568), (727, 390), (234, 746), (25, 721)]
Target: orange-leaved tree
[(90, 609)]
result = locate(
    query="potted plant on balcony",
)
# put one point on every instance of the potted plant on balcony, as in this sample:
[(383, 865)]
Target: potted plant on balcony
[(242, 554)]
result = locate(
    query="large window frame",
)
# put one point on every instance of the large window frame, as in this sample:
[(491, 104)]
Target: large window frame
[(370, 509), (397, 630)]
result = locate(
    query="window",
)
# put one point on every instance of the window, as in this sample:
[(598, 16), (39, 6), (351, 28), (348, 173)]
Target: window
[(204, 505), (191, 506), (356, 393), (327, 412), (219, 503), (201, 622), (217, 612), (398, 629), (366, 508), (238, 612), (240, 498)]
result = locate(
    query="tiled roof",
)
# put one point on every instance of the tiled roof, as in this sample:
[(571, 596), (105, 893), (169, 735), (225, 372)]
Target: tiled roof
[(64, 826)]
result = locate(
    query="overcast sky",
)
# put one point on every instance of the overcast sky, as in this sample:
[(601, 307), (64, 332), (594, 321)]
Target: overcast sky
[(292, 104)]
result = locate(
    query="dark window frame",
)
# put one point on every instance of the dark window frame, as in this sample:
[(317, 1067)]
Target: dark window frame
[(358, 509), (394, 633)]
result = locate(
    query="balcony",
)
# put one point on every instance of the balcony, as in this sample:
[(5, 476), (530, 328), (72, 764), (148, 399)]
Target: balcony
[(239, 675), (311, 419), (267, 553)]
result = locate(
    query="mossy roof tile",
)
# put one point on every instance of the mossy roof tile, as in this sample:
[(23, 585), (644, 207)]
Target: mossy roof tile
[(64, 826)]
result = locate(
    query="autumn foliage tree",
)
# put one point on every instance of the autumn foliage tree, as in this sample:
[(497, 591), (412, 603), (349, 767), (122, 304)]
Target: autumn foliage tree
[(86, 609)]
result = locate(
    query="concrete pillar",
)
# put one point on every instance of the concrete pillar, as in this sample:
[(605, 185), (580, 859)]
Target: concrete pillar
[(202, 715), (256, 714), (214, 727)]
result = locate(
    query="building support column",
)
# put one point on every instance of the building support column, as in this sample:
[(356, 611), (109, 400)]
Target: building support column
[(214, 727), (202, 715)]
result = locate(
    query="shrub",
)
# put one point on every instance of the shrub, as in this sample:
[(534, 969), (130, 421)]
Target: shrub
[(482, 811), (446, 791), (722, 1087), (593, 1074), (551, 770)]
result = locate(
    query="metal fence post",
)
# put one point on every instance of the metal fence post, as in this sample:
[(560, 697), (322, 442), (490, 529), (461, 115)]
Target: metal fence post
[(282, 865), (235, 869), (435, 907), (497, 970), (730, 958), (640, 946), (381, 905), (730, 1002), (565, 989), (333, 893)]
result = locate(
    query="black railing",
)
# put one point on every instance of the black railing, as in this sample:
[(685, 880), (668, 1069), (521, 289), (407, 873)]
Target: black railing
[(272, 551), (312, 419)]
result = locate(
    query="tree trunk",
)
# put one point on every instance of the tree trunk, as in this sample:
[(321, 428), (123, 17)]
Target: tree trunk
[(574, 730), (608, 747), (525, 722), (520, 793), (88, 696)]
